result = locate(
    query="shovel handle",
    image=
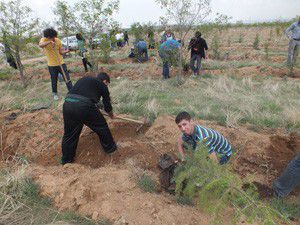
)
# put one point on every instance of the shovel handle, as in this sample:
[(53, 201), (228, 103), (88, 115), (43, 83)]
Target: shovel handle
[(123, 118)]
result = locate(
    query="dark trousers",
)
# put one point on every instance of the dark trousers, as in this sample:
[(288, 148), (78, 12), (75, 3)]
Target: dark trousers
[(166, 70), (289, 179), (143, 55), (79, 113), (86, 63), (11, 61), (54, 71), (195, 59)]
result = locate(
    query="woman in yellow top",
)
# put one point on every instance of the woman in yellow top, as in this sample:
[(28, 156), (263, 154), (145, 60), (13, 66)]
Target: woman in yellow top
[(53, 50)]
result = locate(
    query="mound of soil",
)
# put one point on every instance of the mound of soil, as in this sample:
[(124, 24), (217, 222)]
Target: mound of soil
[(104, 186), (110, 193), (37, 137)]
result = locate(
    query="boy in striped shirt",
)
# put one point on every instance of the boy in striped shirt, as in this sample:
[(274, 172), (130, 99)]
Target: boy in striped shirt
[(219, 148)]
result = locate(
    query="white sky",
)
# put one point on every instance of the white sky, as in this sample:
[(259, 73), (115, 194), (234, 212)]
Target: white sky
[(148, 10)]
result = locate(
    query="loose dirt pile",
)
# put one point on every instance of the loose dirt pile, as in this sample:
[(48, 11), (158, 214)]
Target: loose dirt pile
[(103, 185), (37, 136), (111, 193)]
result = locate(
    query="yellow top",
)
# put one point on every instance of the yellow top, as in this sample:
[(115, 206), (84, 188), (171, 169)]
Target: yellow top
[(53, 53)]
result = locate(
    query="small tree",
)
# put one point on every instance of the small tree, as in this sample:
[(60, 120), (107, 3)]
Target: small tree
[(19, 27), (186, 14), (149, 30), (241, 38), (93, 17), (256, 42), (266, 48), (216, 47), (105, 48), (65, 18), (214, 188), (137, 30)]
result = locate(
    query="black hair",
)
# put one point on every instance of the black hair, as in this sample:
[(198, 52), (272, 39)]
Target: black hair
[(79, 37), (50, 33), (198, 34), (183, 116), (103, 76)]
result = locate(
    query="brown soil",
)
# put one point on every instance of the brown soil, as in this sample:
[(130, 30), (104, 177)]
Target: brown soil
[(103, 185), (110, 192)]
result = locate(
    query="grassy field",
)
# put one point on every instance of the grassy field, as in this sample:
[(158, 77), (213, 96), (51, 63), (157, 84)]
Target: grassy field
[(231, 101), (243, 87)]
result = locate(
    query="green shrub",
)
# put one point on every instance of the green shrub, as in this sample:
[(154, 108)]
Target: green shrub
[(105, 48), (147, 184), (216, 47), (256, 42), (215, 188), (241, 38), (266, 48)]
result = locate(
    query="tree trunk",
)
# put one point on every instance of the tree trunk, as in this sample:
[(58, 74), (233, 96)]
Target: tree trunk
[(20, 66), (179, 76)]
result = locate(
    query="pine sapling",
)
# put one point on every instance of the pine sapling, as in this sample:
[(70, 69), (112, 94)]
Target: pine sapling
[(256, 42)]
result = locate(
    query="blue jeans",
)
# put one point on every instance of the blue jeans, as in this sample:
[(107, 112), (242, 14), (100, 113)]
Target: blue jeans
[(166, 71), (54, 71), (195, 58), (289, 179), (143, 55)]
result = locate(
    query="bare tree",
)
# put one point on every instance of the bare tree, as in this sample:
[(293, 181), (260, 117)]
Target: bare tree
[(185, 14), (19, 28), (65, 18), (94, 16)]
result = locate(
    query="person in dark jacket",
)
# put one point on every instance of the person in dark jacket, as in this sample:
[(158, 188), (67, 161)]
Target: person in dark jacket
[(141, 49), (8, 52), (126, 37), (80, 109), (198, 47)]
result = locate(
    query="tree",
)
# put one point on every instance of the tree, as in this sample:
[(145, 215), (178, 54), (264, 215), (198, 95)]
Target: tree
[(186, 14), (137, 30), (65, 18), (94, 16), (19, 27)]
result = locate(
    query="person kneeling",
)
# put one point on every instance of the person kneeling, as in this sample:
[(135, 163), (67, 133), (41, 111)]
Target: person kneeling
[(219, 148)]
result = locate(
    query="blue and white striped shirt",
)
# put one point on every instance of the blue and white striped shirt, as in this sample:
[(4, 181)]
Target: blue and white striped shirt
[(214, 141)]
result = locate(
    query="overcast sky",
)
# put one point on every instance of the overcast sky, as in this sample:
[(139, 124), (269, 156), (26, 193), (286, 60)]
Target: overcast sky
[(148, 10)]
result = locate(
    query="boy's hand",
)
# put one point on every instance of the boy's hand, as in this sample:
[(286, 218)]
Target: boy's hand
[(213, 156), (111, 115)]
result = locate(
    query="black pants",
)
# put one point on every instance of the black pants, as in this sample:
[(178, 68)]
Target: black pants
[(54, 71), (79, 113), (11, 61), (86, 63)]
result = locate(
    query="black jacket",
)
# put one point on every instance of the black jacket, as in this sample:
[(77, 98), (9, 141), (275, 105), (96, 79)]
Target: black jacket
[(93, 89), (197, 46)]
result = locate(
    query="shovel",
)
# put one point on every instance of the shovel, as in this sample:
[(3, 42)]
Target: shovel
[(61, 68), (142, 123)]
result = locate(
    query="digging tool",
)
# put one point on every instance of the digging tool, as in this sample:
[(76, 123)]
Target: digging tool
[(61, 68), (142, 123)]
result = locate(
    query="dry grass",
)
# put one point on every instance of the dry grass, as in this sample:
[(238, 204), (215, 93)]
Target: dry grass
[(228, 100)]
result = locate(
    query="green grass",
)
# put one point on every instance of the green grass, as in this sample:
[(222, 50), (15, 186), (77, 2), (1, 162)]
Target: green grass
[(147, 184), (259, 102), (7, 72), (291, 209), (262, 102)]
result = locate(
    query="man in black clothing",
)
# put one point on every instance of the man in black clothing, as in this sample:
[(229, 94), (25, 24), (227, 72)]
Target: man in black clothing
[(80, 109), (126, 37), (197, 46)]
